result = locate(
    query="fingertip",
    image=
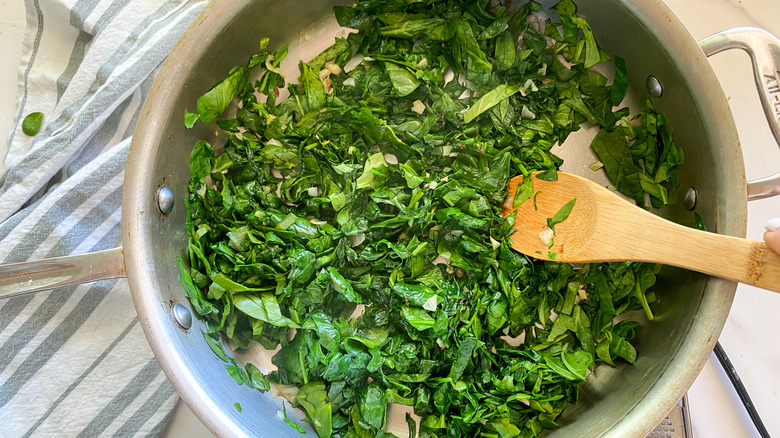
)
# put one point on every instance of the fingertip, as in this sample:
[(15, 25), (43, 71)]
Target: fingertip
[(772, 239), (773, 224)]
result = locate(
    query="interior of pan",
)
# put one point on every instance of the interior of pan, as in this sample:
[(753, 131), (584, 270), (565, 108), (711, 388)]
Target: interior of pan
[(622, 401)]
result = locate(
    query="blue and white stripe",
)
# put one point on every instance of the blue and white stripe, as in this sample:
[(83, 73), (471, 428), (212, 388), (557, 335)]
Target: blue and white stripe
[(74, 361)]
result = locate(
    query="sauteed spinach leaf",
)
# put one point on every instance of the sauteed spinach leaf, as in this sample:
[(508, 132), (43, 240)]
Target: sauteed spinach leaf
[(641, 159), (561, 214), (32, 123), (357, 224)]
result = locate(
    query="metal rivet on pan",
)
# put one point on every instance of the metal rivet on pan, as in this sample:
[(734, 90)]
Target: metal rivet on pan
[(654, 86), (182, 316), (165, 199), (690, 198)]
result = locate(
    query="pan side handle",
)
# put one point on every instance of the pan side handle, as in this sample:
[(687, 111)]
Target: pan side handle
[(38, 275), (764, 51)]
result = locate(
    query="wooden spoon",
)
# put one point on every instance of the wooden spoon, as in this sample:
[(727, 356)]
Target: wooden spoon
[(602, 227)]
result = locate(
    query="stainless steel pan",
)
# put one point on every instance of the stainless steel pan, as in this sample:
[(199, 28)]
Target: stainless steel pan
[(614, 402)]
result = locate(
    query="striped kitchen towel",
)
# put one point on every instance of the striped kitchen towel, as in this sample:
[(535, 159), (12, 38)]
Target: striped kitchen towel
[(74, 361)]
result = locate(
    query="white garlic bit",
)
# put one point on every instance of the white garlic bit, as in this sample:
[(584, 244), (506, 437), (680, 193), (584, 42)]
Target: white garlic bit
[(596, 165), (333, 68), (431, 303), (357, 239), (391, 159), (546, 236)]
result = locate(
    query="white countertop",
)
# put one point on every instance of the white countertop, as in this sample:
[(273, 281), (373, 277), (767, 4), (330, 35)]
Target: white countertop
[(749, 336)]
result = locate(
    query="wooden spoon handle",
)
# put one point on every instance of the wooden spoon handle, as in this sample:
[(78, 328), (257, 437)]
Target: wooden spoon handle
[(732, 258)]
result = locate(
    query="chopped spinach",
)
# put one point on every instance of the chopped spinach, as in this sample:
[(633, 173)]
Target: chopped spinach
[(377, 192), (216, 101), (561, 214), (32, 123), (641, 157), (699, 222), (490, 99), (524, 191)]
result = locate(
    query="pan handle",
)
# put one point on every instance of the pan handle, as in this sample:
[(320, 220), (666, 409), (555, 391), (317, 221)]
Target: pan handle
[(764, 51), (38, 275)]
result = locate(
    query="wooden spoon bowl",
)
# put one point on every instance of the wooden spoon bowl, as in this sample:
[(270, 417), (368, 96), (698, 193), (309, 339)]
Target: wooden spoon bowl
[(603, 227)]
